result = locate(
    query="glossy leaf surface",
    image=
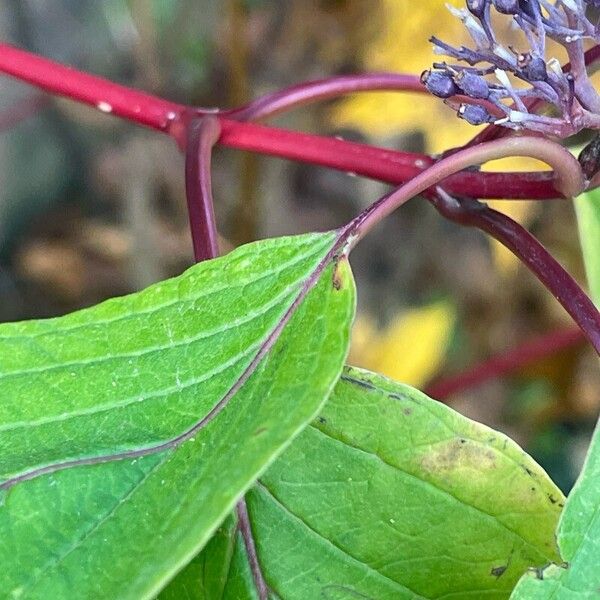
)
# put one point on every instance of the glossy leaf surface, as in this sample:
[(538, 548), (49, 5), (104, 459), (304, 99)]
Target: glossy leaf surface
[(142, 370)]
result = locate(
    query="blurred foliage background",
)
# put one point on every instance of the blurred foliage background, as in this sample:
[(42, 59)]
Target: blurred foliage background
[(91, 207)]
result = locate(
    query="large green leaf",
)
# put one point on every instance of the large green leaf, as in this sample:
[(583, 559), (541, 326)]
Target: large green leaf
[(587, 207), (129, 376), (578, 533), (387, 495), (579, 541)]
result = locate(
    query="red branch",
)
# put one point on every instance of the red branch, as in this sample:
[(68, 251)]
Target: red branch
[(530, 352), (379, 163), (105, 95), (169, 117)]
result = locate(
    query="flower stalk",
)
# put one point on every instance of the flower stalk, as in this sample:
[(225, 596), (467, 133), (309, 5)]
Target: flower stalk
[(569, 178)]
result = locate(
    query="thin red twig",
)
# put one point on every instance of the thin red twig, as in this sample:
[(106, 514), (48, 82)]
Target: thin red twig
[(318, 90), (203, 135), (530, 252), (532, 351)]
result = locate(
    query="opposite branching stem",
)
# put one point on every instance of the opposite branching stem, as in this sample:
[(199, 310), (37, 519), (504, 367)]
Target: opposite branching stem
[(176, 120), (172, 118), (569, 178), (203, 135)]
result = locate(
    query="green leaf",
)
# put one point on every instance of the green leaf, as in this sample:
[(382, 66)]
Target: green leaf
[(129, 376), (205, 576), (587, 207), (578, 532), (390, 495), (578, 537)]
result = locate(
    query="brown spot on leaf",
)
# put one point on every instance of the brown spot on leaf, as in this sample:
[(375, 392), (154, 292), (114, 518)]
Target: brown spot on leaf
[(359, 382), (337, 279), (498, 571), (337, 283)]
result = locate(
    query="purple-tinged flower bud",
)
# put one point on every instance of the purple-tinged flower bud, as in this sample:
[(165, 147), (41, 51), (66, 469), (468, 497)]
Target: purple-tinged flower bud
[(533, 68), (474, 114), (477, 7), (531, 8), (439, 83), (472, 85), (589, 158), (507, 7)]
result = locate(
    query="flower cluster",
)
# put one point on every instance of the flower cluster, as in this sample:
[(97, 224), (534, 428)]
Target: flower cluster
[(500, 84)]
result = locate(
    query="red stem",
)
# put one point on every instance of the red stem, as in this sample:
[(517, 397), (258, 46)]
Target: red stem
[(309, 92), (203, 135), (105, 95), (322, 89), (172, 118), (382, 164), (532, 254), (530, 352)]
